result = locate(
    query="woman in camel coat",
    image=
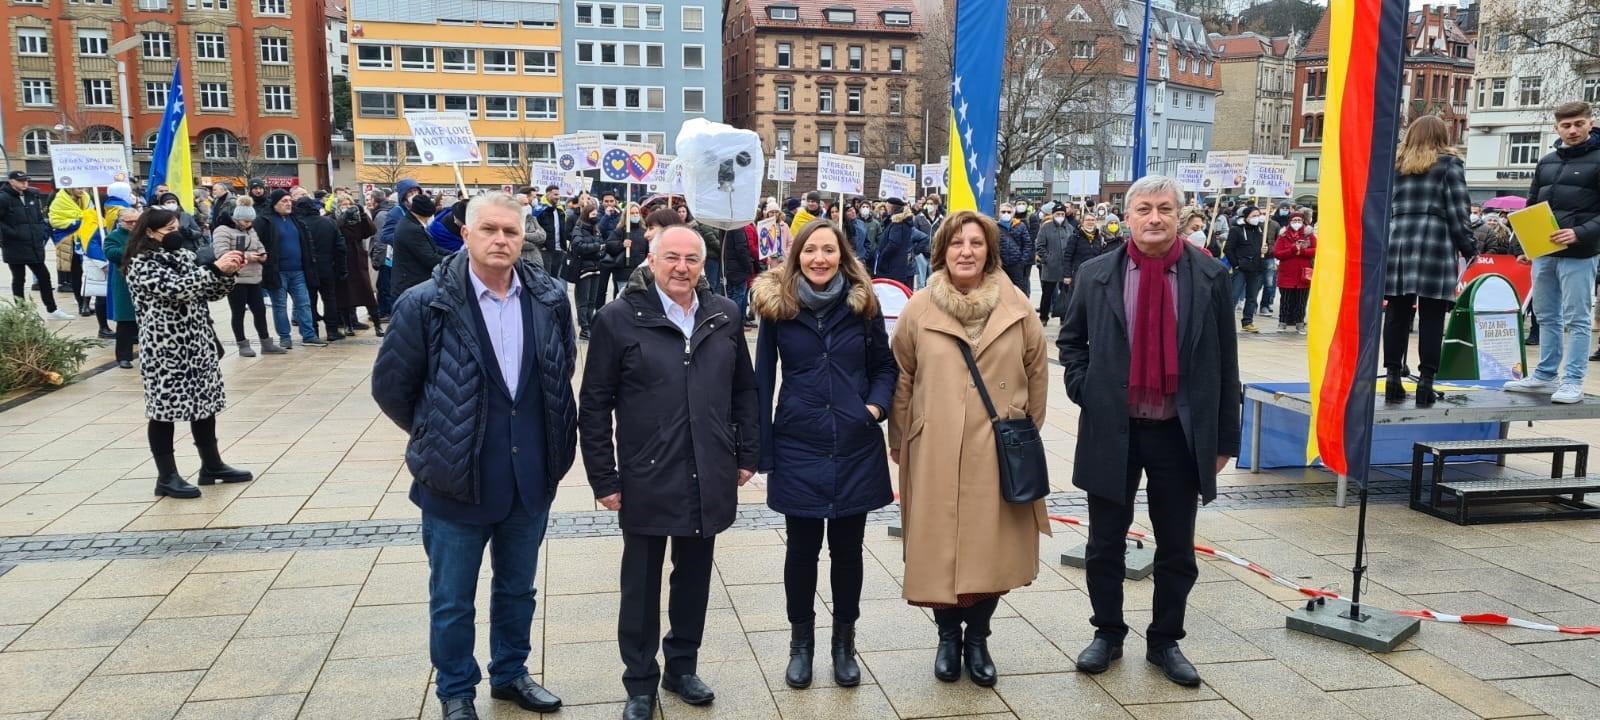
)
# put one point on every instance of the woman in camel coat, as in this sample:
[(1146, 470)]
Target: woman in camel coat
[(964, 545)]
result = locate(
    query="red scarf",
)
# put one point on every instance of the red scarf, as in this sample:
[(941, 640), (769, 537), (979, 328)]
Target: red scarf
[(1153, 376)]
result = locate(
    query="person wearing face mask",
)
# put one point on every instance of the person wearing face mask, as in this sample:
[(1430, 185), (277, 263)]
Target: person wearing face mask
[(931, 216), (1192, 228), (1295, 248), (1055, 237), (179, 353), (1475, 218), (189, 231), (1246, 255), (822, 449), (626, 247), (587, 251), (1016, 248), (1087, 244)]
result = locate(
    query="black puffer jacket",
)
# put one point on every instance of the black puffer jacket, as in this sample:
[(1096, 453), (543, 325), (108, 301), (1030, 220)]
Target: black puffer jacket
[(327, 244), (685, 412), (415, 255), (1569, 179), (23, 228), (431, 380), (1244, 248), (587, 251)]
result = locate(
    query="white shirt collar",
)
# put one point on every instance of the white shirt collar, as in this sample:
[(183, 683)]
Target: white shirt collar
[(480, 291)]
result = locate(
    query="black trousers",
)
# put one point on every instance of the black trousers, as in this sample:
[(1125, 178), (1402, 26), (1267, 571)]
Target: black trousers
[(1397, 331), (127, 337), (1019, 276), (591, 295), (240, 298), (1047, 298), (800, 566), (1160, 452), (160, 434), (73, 278), (325, 306), (19, 282), (1294, 305), (639, 621)]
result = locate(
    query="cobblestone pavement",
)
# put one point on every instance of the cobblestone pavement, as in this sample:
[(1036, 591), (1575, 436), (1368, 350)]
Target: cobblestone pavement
[(303, 593)]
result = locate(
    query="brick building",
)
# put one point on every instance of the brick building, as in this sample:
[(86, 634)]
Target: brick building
[(255, 74), (1310, 100), (1438, 69), (1257, 93), (815, 75)]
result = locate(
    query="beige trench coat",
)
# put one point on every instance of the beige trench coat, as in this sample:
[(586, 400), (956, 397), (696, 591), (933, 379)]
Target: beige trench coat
[(960, 537)]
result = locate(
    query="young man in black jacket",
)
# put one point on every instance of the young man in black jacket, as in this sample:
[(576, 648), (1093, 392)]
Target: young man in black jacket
[(327, 255)]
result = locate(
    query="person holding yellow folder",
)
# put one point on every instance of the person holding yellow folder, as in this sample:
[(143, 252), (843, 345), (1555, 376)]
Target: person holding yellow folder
[(1562, 241)]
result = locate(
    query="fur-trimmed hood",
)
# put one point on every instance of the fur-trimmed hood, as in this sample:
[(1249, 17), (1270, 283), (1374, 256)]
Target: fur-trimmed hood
[(773, 301), (967, 308), (903, 216)]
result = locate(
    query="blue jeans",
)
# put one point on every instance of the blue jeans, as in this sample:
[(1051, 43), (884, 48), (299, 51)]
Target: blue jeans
[(1563, 297), (294, 283), (385, 298), (739, 293), (455, 554), (280, 311), (714, 275), (1269, 284), (1247, 287)]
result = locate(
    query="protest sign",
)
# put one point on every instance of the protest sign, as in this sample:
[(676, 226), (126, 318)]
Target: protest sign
[(1083, 183), (578, 151), (892, 184), (841, 174), (1271, 177), (628, 162), (443, 137), (543, 175), (935, 176), (663, 179), (787, 173), (1192, 176), (88, 165), (1224, 170), (772, 238)]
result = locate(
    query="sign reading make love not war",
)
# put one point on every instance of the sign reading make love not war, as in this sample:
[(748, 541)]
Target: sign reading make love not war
[(1267, 176), (1192, 176), (628, 162), (1224, 170), (841, 174), (894, 184), (88, 165), (443, 137)]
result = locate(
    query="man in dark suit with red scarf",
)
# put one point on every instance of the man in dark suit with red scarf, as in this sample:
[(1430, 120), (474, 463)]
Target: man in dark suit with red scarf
[(1150, 355)]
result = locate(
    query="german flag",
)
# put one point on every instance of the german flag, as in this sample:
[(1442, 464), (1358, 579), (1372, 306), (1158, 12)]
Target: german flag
[(1345, 321)]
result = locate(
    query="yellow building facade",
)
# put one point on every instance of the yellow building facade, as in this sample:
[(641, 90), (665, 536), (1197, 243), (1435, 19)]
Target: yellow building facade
[(504, 72)]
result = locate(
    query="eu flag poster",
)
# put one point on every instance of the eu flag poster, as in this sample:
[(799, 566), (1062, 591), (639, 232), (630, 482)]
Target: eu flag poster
[(980, 30)]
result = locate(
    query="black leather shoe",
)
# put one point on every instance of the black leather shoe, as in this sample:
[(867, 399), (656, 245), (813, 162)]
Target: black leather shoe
[(802, 648), (846, 673), (688, 687), (980, 667), (947, 661), (527, 694), (107, 334), (1098, 656), (458, 709), (639, 707), (170, 482), (1174, 665), (213, 469)]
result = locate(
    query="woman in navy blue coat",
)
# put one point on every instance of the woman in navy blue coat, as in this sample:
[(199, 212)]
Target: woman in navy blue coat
[(822, 450)]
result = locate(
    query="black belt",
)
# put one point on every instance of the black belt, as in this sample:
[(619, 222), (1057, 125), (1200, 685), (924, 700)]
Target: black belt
[(1145, 422)]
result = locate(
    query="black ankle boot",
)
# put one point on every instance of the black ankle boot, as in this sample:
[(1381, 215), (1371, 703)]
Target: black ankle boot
[(1394, 388), (947, 661), (170, 482), (1425, 394), (213, 469), (802, 646), (975, 643), (845, 670)]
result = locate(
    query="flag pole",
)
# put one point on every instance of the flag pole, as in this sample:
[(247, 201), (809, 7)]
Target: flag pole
[(462, 184), (1139, 139)]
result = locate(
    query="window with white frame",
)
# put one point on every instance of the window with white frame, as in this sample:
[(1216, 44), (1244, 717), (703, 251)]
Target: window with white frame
[(653, 18), (854, 55), (281, 147), (155, 93), (219, 145), (154, 5), (1525, 148), (36, 142), (462, 103), (500, 153), (210, 46), (379, 151), (375, 57), (539, 62), (694, 18), (587, 97), (615, 53), (1202, 101), (275, 51), (841, 16), (783, 13), (608, 16), (38, 93), (585, 15), (694, 100), (897, 59), (499, 62), (277, 98), (157, 45), (539, 151), (272, 7), (785, 138), (825, 57), (215, 96), (694, 57), (421, 58), (785, 98), (825, 100), (1591, 90), (413, 155), (630, 98), (852, 100), (542, 108), (94, 43), (417, 102), (33, 41), (1082, 49), (785, 55), (1128, 53), (458, 60), (376, 105), (97, 93), (1208, 68), (1530, 90), (897, 102), (894, 142), (825, 141), (896, 18), (500, 107)]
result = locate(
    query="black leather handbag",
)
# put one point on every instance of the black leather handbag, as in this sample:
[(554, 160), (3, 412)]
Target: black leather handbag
[(1024, 475)]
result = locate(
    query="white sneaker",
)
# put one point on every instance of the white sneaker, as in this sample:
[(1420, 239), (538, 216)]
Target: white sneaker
[(1530, 384), (1568, 393), (60, 314)]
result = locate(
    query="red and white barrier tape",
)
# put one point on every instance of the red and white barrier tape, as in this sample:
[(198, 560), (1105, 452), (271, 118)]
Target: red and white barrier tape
[(1473, 619)]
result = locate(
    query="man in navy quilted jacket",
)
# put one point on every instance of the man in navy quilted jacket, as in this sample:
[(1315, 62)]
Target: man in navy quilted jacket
[(477, 368)]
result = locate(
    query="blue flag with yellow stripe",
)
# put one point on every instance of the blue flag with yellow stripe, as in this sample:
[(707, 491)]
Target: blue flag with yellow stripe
[(170, 164), (975, 103)]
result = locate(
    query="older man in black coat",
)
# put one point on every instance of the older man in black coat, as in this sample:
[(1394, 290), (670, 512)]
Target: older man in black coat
[(668, 361), (1155, 369)]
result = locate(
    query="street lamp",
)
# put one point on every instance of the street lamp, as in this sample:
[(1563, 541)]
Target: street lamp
[(122, 46)]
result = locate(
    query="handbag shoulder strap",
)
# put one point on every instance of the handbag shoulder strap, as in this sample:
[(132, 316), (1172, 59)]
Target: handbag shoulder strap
[(977, 379)]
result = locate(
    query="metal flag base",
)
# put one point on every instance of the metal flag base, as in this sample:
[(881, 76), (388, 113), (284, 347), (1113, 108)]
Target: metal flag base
[(1379, 630), (1137, 563)]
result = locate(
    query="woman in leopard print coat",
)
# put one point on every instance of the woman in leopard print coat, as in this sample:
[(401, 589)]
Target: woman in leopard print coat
[(178, 349)]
